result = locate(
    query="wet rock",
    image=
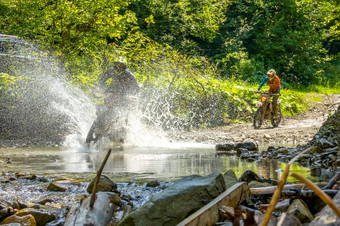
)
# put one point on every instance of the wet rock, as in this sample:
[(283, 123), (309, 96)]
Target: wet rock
[(42, 217), (104, 184), (29, 205), (100, 214), (250, 159), (20, 175), (271, 148), (30, 177), (44, 201), (266, 136), (251, 146), (230, 178), (153, 183), (6, 209), (288, 219), (304, 157), (242, 153), (283, 205), (249, 176), (225, 147), (336, 163), (327, 216), (257, 184), (114, 198), (56, 187), (317, 150), (127, 209), (27, 220), (186, 196), (299, 209), (282, 151)]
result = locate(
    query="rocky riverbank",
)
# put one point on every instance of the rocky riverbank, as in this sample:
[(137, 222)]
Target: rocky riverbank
[(35, 200)]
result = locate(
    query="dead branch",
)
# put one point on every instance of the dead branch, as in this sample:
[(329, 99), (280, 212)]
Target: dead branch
[(332, 181), (99, 172)]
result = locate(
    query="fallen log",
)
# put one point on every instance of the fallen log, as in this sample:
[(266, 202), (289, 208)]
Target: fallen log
[(296, 193), (209, 214), (271, 189)]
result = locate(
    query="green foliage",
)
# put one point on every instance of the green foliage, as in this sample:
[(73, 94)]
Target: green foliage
[(196, 60), (182, 23), (7, 88), (286, 35)]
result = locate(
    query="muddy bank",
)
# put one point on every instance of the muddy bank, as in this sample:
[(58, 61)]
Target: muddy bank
[(292, 131)]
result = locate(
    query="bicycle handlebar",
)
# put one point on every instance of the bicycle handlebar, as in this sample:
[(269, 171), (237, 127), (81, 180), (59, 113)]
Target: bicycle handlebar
[(272, 94)]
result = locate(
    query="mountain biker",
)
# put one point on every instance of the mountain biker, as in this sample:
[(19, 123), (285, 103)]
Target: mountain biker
[(274, 88), (119, 102)]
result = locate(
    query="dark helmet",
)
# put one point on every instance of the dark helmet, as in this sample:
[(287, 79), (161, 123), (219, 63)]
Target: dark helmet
[(120, 63)]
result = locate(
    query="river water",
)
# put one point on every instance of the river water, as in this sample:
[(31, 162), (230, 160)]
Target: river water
[(164, 163)]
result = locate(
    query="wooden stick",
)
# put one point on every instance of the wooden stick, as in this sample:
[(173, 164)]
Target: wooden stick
[(280, 185), (332, 181), (276, 195), (319, 192), (99, 172)]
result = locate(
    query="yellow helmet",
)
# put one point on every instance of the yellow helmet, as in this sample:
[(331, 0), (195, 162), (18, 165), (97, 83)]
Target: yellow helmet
[(271, 72)]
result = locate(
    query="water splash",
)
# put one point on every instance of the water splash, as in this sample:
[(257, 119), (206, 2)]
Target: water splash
[(44, 105), (49, 107)]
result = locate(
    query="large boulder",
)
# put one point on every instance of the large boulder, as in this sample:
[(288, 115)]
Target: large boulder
[(100, 214), (104, 184), (327, 216), (41, 216), (178, 201), (27, 220)]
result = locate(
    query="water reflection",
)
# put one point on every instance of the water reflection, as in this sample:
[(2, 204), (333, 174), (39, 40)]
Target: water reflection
[(152, 162)]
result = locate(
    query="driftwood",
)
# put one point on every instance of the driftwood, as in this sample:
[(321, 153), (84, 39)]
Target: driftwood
[(271, 189), (332, 181), (209, 214), (290, 191), (94, 210)]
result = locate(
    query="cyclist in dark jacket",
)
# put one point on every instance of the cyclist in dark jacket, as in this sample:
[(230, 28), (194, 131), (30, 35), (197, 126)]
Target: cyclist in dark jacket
[(119, 103)]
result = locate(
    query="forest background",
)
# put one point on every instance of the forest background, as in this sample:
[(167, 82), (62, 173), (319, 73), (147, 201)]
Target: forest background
[(205, 57)]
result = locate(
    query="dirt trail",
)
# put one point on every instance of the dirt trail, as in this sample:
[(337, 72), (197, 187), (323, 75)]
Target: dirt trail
[(291, 131)]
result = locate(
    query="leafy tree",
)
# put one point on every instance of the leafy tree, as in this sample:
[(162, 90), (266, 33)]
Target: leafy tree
[(286, 35), (73, 28), (181, 23)]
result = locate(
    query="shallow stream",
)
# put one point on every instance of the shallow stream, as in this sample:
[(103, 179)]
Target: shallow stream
[(162, 163)]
